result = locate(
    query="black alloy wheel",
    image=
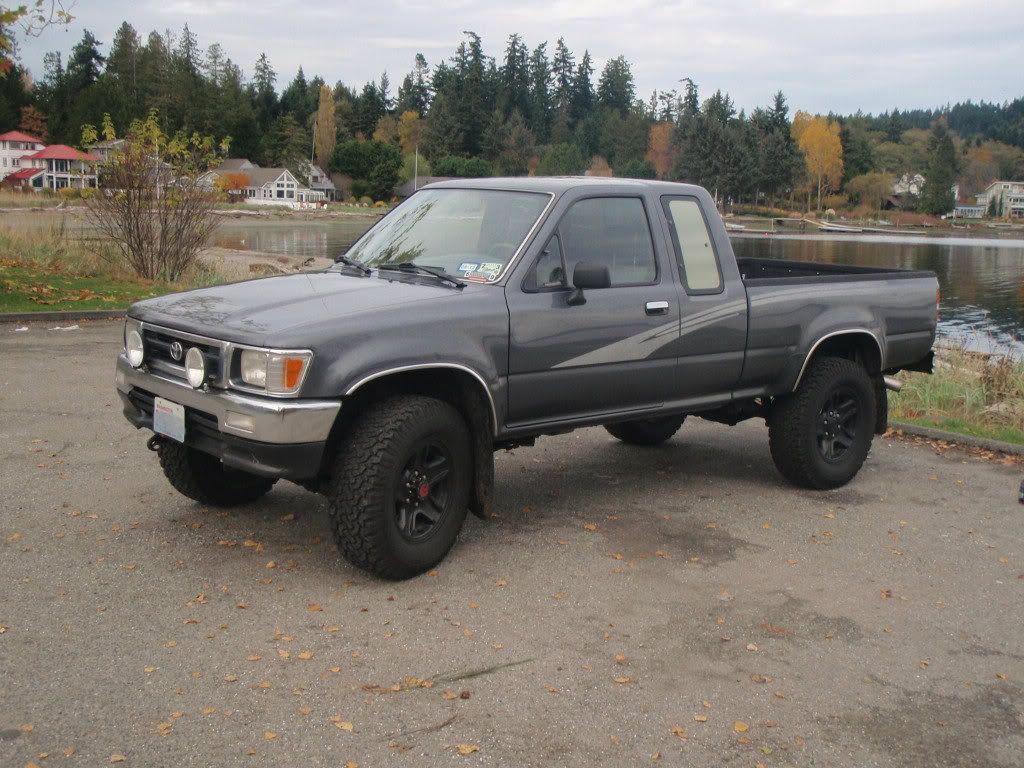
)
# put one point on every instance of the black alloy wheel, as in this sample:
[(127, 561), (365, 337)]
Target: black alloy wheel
[(837, 424), (422, 494)]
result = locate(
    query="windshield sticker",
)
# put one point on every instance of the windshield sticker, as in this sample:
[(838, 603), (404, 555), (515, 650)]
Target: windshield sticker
[(477, 278), (468, 266), (491, 268)]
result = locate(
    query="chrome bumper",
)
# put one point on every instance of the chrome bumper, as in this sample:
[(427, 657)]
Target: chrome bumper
[(272, 421)]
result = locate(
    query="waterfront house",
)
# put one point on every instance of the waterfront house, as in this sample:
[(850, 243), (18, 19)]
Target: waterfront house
[(57, 166), (318, 180), (1004, 199), (265, 186), (15, 145)]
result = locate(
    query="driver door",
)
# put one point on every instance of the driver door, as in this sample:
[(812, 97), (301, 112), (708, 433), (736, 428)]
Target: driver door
[(613, 353)]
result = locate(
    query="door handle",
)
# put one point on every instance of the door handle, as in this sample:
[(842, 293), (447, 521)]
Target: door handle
[(656, 307)]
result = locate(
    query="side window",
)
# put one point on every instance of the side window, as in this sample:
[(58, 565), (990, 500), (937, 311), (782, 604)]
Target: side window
[(612, 231), (698, 264)]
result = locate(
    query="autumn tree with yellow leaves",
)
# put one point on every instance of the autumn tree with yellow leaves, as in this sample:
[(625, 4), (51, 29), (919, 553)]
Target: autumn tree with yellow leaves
[(818, 139), (660, 152), (324, 130)]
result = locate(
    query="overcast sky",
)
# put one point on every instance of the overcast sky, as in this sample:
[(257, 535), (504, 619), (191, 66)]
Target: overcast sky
[(839, 55)]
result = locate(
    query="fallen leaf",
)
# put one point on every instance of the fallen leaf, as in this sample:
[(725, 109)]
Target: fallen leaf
[(209, 710), (283, 653), (230, 678), (27, 728), (305, 711), (661, 553), (314, 607), (590, 526), (69, 751), (269, 735), (473, 606), (467, 632), (449, 695), (751, 646), (116, 758), (335, 670), (623, 680), (467, 749), (760, 679), (305, 655), (343, 725), (254, 657), (620, 659), (149, 670), (780, 695), (263, 684), (885, 594), (701, 718), (740, 727), (678, 730), (501, 583)]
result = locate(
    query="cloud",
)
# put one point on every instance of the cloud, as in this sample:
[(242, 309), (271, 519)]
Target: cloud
[(841, 56)]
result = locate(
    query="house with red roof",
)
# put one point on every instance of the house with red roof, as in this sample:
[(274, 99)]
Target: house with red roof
[(14, 145), (56, 167)]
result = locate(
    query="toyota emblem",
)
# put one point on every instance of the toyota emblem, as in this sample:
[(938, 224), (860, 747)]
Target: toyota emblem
[(177, 351)]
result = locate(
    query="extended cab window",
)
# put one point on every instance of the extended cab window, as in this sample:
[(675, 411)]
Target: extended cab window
[(698, 264), (612, 231)]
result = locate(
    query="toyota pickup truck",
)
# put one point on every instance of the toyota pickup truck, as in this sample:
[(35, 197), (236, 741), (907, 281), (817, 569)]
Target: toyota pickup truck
[(481, 315)]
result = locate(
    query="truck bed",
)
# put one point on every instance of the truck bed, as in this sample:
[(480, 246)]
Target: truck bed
[(758, 271)]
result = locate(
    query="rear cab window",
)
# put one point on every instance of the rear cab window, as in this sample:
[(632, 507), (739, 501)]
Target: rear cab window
[(691, 239)]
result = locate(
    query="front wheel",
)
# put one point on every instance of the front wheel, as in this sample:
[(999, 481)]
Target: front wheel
[(400, 486), (203, 478), (820, 435), (646, 431)]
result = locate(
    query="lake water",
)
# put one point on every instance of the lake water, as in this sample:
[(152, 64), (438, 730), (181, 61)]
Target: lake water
[(982, 280)]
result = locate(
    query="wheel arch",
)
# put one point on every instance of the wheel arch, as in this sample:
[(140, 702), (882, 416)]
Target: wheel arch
[(458, 385), (857, 344)]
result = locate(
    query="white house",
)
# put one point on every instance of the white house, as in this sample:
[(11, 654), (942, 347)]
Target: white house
[(1008, 197), (267, 186), (318, 180), (55, 167), (14, 145), (278, 186)]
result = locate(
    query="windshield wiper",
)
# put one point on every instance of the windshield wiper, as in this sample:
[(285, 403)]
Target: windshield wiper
[(438, 272), (341, 258)]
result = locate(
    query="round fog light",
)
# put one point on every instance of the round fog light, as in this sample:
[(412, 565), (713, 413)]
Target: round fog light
[(195, 367), (134, 349)]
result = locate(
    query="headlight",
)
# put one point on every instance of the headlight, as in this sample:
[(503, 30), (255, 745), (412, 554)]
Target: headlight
[(195, 367), (134, 349), (279, 373)]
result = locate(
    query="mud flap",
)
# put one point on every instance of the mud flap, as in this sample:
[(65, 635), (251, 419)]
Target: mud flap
[(481, 502), (881, 405)]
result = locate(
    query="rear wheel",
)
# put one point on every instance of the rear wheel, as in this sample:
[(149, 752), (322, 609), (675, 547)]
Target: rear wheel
[(205, 479), (820, 435), (646, 431), (400, 486)]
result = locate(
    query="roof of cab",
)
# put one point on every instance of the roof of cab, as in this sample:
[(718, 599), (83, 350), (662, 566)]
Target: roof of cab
[(559, 184)]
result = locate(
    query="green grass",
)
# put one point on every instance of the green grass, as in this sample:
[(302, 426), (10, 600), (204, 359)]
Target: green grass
[(26, 288), (969, 394), (43, 270)]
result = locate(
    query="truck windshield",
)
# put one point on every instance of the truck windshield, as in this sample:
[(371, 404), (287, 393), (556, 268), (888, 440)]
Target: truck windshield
[(471, 233)]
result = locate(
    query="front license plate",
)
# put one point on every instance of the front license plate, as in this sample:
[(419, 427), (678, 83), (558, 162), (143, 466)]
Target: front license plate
[(169, 419)]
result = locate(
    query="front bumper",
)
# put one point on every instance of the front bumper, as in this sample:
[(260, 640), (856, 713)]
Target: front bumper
[(273, 438)]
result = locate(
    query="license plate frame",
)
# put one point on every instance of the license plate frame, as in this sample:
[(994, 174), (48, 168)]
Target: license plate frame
[(169, 419)]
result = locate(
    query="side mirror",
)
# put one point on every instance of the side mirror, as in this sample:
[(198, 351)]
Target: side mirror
[(588, 275)]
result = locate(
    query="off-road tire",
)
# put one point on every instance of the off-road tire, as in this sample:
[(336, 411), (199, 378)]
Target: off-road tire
[(361, 495), (646, 431), (203, 478), (794, 419)]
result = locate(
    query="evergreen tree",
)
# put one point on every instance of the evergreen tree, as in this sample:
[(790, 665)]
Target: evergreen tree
[(615, 89), (541, 79), (263, 92), (943, 166), (582, 102), (514, 78)]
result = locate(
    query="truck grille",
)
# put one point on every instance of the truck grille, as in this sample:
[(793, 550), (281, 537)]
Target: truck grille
[(158, 353)]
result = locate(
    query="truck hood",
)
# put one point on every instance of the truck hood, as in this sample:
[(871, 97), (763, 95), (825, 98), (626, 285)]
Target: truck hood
[(250, 312)]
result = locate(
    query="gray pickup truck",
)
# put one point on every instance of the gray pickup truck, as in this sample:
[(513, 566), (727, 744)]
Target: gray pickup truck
[(480, 315)]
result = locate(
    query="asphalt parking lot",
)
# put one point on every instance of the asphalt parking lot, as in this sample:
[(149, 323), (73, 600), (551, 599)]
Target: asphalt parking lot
[(675, 606)]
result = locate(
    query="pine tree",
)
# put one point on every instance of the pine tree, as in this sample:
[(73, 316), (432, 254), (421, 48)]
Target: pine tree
[(615, 89), (582, 101), (540, 93), (943, 165)]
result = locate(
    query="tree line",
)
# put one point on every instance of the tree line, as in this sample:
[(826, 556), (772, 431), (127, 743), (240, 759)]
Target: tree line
[(540, 109)]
